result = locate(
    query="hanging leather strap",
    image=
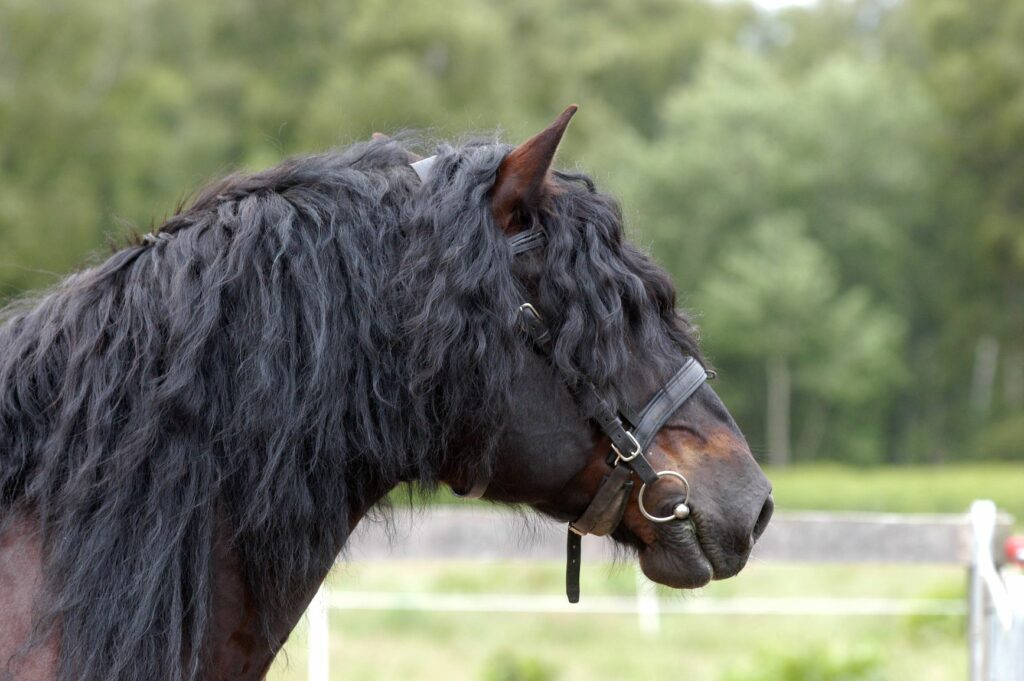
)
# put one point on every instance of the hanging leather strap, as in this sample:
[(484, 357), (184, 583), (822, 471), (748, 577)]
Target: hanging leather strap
[(573, 556)]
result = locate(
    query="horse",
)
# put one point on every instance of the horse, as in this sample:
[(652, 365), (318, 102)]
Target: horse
[(191, 429)]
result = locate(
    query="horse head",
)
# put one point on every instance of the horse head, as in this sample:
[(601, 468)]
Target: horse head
[(610, 359)]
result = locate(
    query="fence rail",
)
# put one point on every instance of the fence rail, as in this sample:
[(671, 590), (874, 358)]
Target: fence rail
[(625, 605), (453, 533)]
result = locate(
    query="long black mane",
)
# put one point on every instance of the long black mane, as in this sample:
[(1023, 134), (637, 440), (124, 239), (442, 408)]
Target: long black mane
[(281, 352)]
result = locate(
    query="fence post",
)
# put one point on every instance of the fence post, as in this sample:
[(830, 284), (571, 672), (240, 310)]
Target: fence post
[(319, 638), (648, 608), (983, 519), (1015, 636), (991, 607)]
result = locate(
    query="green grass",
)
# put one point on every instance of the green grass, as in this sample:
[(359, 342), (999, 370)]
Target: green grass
[(903, 489), (417, 646)]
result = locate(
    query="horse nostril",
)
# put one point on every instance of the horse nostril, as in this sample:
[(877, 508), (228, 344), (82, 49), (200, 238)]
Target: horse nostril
[(764, 517)]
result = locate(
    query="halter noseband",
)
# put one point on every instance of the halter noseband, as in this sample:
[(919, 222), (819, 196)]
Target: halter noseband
[(630, 434)]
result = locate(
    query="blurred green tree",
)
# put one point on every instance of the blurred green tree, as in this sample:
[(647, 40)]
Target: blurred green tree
[(776, 298), (883, 140), (840, 150), (971, 56)]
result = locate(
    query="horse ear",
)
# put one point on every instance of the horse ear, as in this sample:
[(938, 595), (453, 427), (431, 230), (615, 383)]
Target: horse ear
[(381, 137), (520, 182)]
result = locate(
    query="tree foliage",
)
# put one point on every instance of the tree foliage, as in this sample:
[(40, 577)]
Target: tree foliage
[(835, 186)]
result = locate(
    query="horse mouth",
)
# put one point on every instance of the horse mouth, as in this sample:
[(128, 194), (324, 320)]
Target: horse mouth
[(677, 558)]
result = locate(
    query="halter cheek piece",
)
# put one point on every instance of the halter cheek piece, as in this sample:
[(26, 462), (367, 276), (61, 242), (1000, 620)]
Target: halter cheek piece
[(630, 434), (631, 437)]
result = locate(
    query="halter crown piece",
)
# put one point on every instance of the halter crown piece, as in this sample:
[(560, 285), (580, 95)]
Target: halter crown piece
[(630, 434), (423, 167)]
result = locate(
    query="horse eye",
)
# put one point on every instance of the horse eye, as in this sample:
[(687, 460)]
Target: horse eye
[(712, 374), (683, 427)]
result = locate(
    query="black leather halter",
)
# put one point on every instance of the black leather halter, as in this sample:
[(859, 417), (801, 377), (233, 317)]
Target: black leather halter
[(630, 436)]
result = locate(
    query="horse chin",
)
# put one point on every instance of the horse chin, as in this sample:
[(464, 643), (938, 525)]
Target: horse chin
[(677, 559)]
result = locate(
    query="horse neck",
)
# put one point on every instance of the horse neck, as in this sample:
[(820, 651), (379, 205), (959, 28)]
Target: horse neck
[(240, 648)]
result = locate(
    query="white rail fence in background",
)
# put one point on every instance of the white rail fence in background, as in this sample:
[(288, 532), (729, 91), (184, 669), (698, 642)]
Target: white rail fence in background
[(995, 605)]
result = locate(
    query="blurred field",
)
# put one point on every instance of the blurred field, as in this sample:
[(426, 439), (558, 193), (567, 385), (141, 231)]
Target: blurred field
[(487, 647), (903, 489), (545, 647)]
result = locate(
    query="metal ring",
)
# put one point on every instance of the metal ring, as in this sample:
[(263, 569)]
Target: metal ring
[(633, 455), (663, 519)]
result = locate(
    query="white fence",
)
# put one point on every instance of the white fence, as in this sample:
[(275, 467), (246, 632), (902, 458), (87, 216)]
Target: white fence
[(995, 605)]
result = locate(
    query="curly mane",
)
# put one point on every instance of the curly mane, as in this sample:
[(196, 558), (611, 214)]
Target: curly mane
[(277, 355)]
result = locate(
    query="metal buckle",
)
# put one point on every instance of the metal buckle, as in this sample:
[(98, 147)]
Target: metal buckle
[(680, 512), (619, 456), (526, 307)]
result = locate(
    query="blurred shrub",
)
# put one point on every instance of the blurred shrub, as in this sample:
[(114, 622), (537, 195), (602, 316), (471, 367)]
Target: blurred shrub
[(1002, 440), (508, 666), (818, 664)]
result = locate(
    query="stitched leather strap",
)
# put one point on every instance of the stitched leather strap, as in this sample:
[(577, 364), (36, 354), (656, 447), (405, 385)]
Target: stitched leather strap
[(606, 418), (527, 240), (572, 566), (535, 328), (690, 376), (609, 503), (626, 444)]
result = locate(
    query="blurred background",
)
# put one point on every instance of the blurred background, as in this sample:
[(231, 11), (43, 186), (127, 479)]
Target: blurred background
[(836, 187)]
